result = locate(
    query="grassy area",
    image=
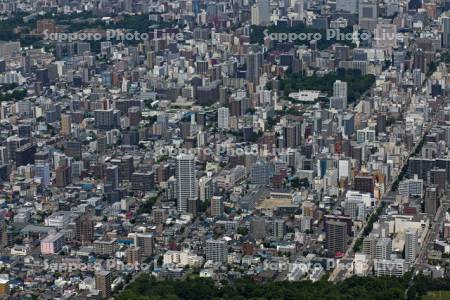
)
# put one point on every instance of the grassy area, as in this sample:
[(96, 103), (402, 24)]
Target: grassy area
[(437, 295)]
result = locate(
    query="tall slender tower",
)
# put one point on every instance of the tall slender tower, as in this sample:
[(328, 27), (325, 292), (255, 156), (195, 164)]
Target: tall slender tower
[(254, 64), (411, 245), (185, 175), (445, 32), (340, 90)]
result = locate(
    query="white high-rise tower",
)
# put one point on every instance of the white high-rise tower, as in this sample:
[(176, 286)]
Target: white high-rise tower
[(340, 90), (223, 117), (186, 185), (411, 245)]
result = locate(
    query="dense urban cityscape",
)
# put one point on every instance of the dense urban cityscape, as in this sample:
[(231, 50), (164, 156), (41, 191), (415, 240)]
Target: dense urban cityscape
[(230, 149)]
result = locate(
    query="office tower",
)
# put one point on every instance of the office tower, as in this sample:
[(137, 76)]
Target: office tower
[(445, 32), (84, 229), (171, 192), (106, 119), (205, 186), (76, 168), (24, 130), (342, 52), (439, 178), (143, 181), (223, 118), (25, 154), (350, 6), (126, 167), (398, 59), (418, 77), (369, 245), (185, 176), (292, 135), (217, 206), (130, 137), (3, 232), (355, 209), (216, 251), (135, 115), (414, 4), (411, 187), (112, 177), (381, 123), (185, 128), (66, 123), (259, 173), (299, 8), (349, 124), (305, 223), (254, 65), (201, 139), (128, 6), (260, 12), (368, 14), (103, 280), (419, 60), (340, 91), (364, 184), (42, 171), (336, 237), (73, 149), (411, 245), (192, 206), (431, 200), (201, 67), (63, 176), (308, 209), (145, 242), (42, 76), (383, 248), (258, 228), (278, 229), (336, 103), (3, 66)]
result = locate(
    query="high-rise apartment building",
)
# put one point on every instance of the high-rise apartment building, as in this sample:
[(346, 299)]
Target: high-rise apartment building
[(103, 281), (254, 64), (445, 31), (223, 118), (186, 181), (66, 124), (431, 200), (411, 245), (336, 237), (145, 241), (217, 206), (340, 91), (216, 250)]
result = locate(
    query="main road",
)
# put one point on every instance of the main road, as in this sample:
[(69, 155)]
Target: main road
[(340, 272)]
